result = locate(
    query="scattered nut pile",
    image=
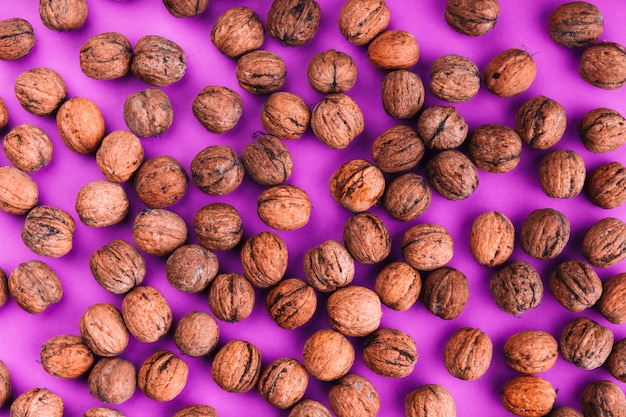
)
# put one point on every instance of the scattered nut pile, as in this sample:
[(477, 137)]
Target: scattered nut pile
[(323, 243)]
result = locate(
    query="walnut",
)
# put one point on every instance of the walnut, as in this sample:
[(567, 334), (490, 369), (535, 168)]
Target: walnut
[(604, 65), (159, 232), (442, 127), (398, 285), (6, 384), (217, 170), (354, 310), (564, 411), (393, 50), (545, 233), (162, 376), (367, 238), (492, 238), (454, 78), (101, 204), (4, 291), (331, 71), (231, 297), (62, 15), (19, 193), (585, 343), (66, 357), (337, 120), (354, 396), (40, 91), (190, 268), (575, 23), (472, 17), (495, 148), (120, 155), (616, 362), (4, 114), (217, 108), (541, 122), (237, 366), (293, 22), (112, 380), (34, 286), (285, 115), (264, 259), (407, 197), (467, 354), (160, 182), (147, 313), (427, 246), (37, 402), (531, 351), (103, 412), (361, 21), (291, 303), (327, 355), (611, 304), (602, 130), (390, 353), (284, 207), (148, 112), (267, 160), (510, 73), (397, 149), (516, 288), (118, 267), (452, 174), (196, 334), (158, 61), (602, 398), (261, 72), (562, 174), (445, 292), (218, 226), (17, 38), (28, 147), (238, 31), (604, 185), (328, 266), (575, 285), (604, 243), (402, 93), (81, 125), (49, 231), (283, 383), (357, 185), (103, 330), (185, 8), (196, 411), (429, 400), (106, 56), (309, 408), (528, 396)]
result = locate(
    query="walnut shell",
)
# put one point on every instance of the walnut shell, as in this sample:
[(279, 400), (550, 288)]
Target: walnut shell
[(528, 396), (585, 343), (4, 114), (390, 353), (264, 259), (327, 355), (267, 160), (291, 303), (160, 182), (62, 15), (331, 71), (452, 174), (393, 50), (407, 197), (103, 412), (238, 31), (28, 147), (495, 148), (34, 286), (285, 115), (367, 238), (196, 411), (118, 267), (159, 232), (309, 408), (293, 22), (602, 398), (562, 174), (602, 130), (467, 354), (604, 243), (120, 155), (80, 125), (147, 314), (106, 56), (545, 233), (611, 304), (575, 285), (445, 292), (531, 351), (492, 238), (185, 8), (19, 193), (510, 73), (516, 288), (162, 376), (454, 78), (354, 396), (442, 127), (218, 226), (66, 357), (616, 362), (361, 21), (402, 94), (575, 23), (397, 149), (337, 120), (261, 72), (284, 207), (429, 400), (354, 310), (196, 334), (357, 185), (148, 112), (605, 185), (283, 383), (158, 61), (564, 411), (237, 366), (103, 330), (48, 231), (604, 65), (17, 38), (4, 289), (6, 384), (217, 108), (37, 402), (427, 246), (328, 266), (540, 122), (101, 204), (112, 380), (40, 91), (217, 170), (472, 17), (398, 285), (190, 268), (231, 297)]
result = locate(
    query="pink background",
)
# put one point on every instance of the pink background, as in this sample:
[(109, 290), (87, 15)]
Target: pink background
[(516, 194)]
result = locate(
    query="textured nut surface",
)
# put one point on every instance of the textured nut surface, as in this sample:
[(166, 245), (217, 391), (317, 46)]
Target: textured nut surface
[(218, 226), (531, 351), (4, 114), (427, 246), (398, 285), (101, 203), (602, 130), (510, 72), (327, 355), (429, 400), (454, 78), (19, 193), (575, 285), (367, 238), (402, 93), (564, 411), (4, 288), (331, 71), (40, 91), (237, 366), (467, 354), (48, 231), (103, 412), (606, 185), (291, 303), (309, 408), (285, 115), (612, 304), (120, 155), (34, 286), (357, 185), (283, 383), (293, 22), (602, 398), (452, 174), (575, 23), (117, 266), (28, 147), (337, 120), (354, 396), (185, 8), (196, 334), (398, 148), (393, 50), (516, 288), (562, 174), (196, 411), (354, 310), (158, 61), (261, 72), (616, 362), (585, 343), (37, 402), (604, 65), (106, 56), (545, 233), (528, 396), (540, 122), (445, 292), (217, 170), (103, 330), (495, 148), (6, 384), (17, 38), (390, 353), (159, 232), (162, 376), (237, 31), (80, 125), (267, 160), (284, 207), (148, 112), (361, 21), (328, 266), (407, 197), (217, 108), (264, 259), (471, 17), (63, 15), (604, 244), (190, 268), (231, 297), (147, 313), (492, 238), (442, 127), (112, 380), (66, 357)]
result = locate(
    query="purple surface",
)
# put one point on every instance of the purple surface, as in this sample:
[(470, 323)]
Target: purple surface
[(516, 194)]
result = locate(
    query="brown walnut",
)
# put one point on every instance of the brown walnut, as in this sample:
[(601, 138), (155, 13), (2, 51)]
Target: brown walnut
[(361, 21), (217, 170), (390, 353), (492, 238), (510, 72), (283, 383), (575, 23), (48, 231), (397, 149), (616, 363), (442, 127), (101, 203), (196, 411), (357, 185), (147, 313), (231, 297), (429, 400), (309, 408), (19, 193), (37, 402), (402, 94), (564, 411), (158, 61), (604, 65), (160, 182), (367, 238), (398, 285), (604, 243), (103, 330), (285, 115), (217, 108), (531, 351), (28, 147), (62, 15), (293, 22), (190, 268), (291, 303), (34, 286), (17, 38), (196, 334), (185, 8), (118, 267), (602, 130), (337, 120), (585, 343), (331, 71), (611, 305), (4, 289), (427, 246), (4, 114), (602, 398), (407, 197), (81, 125), (354, 310), (562, 174), (218, 226), (284, 207), (159, 232), (516, 288), (6, 384), (445, 292), (237, 366), (454, 78), (264, 258), (575, 285), (540, 122), (606, 185), (528, 396), (112, 380), (66, 357), (495, 148), (452, 174), (393, 50), (40, 91), (467, 354), (148, 112), (162, 376), (106, 56), (545, 233), (472, 17), (120, 155), (354, 396), (327, 355), (329, 266), (267, 160), (238, 31), (103, 412), (261, 72)]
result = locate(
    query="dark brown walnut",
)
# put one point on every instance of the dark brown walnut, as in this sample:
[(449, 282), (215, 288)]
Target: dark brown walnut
[(407, 197), (62, 15), (575, 285), (540, 122), (66, 357), (217, 108), (454, 78), (327, 355), (34, 286), (148, 112), (101, 203), (6, 385), (495, 148), (261, 72), (367, 238), (120, 155), (103, 330), (217, 170), (309, 408), (37, 402), (283, 383), (48, 231), (196, 334), (585, 343), (112, 380), (237, 366), (429, 400), (390, 353), (357, 185), (393, 50), (604, 243), (28, 147), (445, 292), (159, 232), (267, 160), (293, 22), (516, 288), (231, 297), (616, 363), (397, 149), (467, 354), (4, 114), (562, 174), (162, 376), (398, 285), (442, 127), (185, 8), (606, 185), (17, 38), (531, 351), (354, 396), (190, 268), (160, 182), (291, 303), (575, 23), (81, 125), (218, 226), (4, 289), (602, 130), (452, 174), (103, 412), (337, 120), (361, 21), (147, 313), (264, 258), (106, 56), (19, 193), (564, 411), (612, 304), (196, 411), (528, 396), (117, 266), (510, 73), (604, 65), (285, 115), (402, 93), (328, 266), (238, 31), (40, 91), (602, 398), (331, 71), (354, 310), (472, 17), (427, 246), (492, 238), (158, 61), (284, 207), (545, 233)]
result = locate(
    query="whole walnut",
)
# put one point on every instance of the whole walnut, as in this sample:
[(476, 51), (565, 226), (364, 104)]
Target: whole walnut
[(158, 61), (602, 398), (185, 8), (34, 286), (357, 185), (611, 305), (616, 362), (337, 120), (407, 197), (62, 15), (390, 353), (492, 238), (261, 72), (495, 148), (442, 127), (112, 380), (28, 147), (604, 185), (354, 396), (237, 366), (367, 238), (218, 226), (402, 94), (293, 22), (6, 385), (399, 148), (106, 56), (264, 259), (237, 31), (147, 313), (604, 243), (148, 112), (101, 203), (17, 38), (331, 71), (309, 408), (103, 330), (327, 355), (540, 122), (427, 246), (467, 353), (586, 343), (516, 288), (398, 285), (284, 207), (328, 266), (231, 297), (602, 130), (162, 376), (190, 268), (354, 310), (575, 285), (103, 412), (291, 303), (393, 50), (545, 233), (510, 72), (472, 17), (196, 334), (267, 160), (528, 396), (217, 108), (217, 170), (48, 231), (361, 21), (562, 174), (575, 23), (603, 65), (117, 266), (120, 155), (19, 193), (429, 400), (531, 351), (37, 402), (454, 78), (445, 292), (160, 182), (81, 125), (40, 91), (283, 382), (159, 232), (66, 357), (196, 411), (452, 174), (285, 115)]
